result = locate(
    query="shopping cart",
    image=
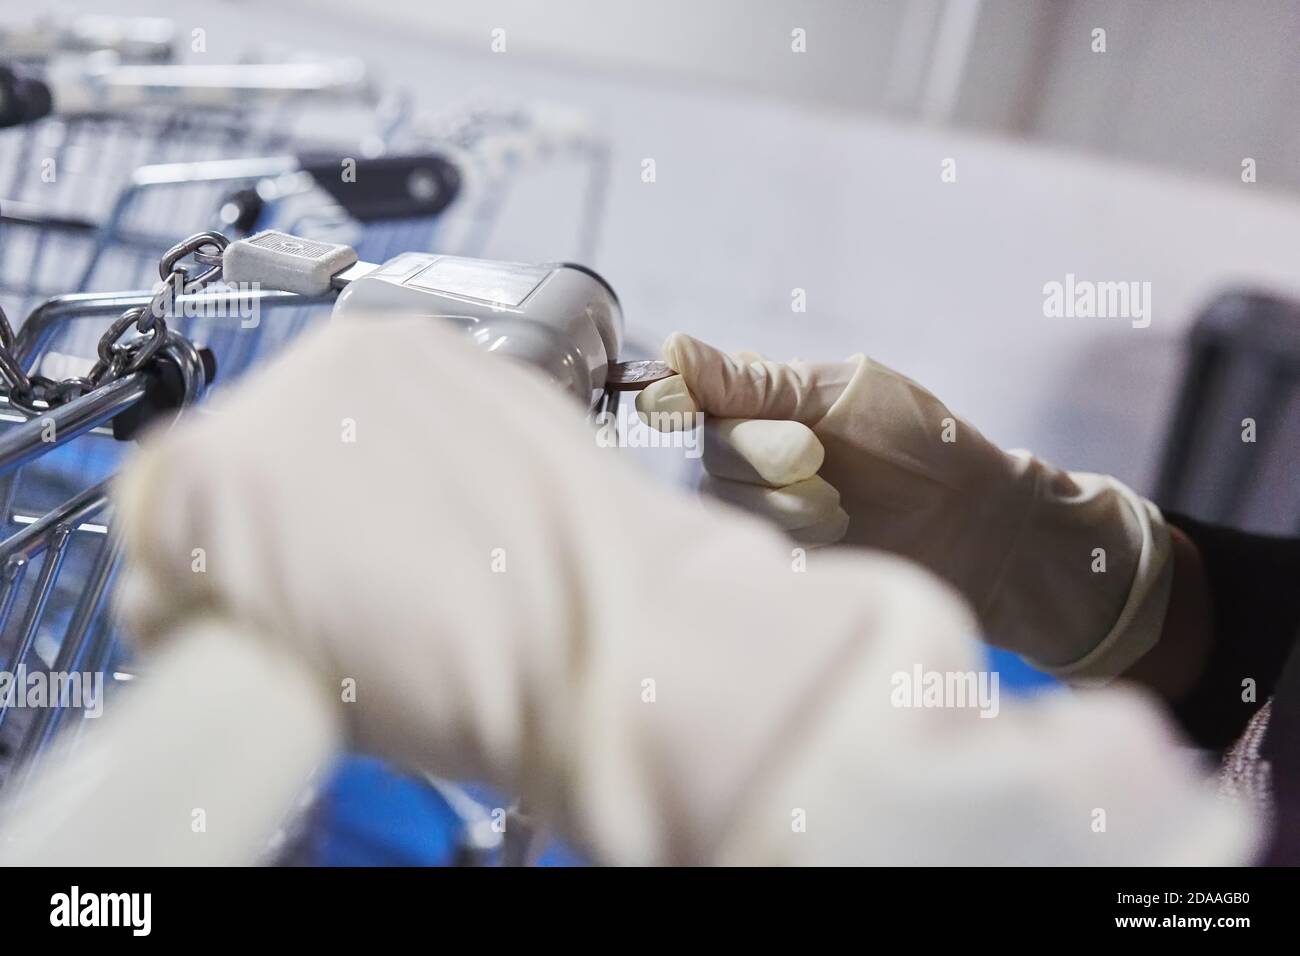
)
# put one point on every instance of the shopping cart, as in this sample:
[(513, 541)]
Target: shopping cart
[(144, 369), (102, 165), (398, 186), (440, 188), (82, 204), (571, 328), (77, 212)]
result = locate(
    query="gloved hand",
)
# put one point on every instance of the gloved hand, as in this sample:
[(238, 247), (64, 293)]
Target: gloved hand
[(1071, 570), (660, 681)]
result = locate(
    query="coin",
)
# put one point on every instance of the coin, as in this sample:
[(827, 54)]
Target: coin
[(634, 376)]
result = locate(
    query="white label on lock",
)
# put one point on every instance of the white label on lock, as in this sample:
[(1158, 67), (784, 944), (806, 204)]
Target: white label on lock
[(500, 283)]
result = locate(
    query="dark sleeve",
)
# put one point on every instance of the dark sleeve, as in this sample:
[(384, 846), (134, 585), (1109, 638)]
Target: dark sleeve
[(1254, 583)]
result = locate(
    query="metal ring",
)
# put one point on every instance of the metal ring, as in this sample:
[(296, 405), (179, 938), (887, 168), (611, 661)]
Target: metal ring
[(108, 340), (69, 389), (194, 246), (151, 343), (37, 390), (6, 332), (13, 372)]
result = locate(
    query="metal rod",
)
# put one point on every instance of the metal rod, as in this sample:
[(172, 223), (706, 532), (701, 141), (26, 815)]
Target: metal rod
[(31, 539), (54, 555), (213, 171), (71, 653), (47, 317), (13, 571), (61, 424)]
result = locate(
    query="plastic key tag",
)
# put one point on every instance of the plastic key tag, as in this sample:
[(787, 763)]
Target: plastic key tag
[(279, 262)]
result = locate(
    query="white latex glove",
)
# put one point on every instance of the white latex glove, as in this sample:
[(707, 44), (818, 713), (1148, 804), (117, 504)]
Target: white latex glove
[(854, 451), (663, 682)]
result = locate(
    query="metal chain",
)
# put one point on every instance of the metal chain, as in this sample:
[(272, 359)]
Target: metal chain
[(117, 358)]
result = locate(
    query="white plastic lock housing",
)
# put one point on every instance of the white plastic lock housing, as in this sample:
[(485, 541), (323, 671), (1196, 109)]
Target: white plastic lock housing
[(561, 318)]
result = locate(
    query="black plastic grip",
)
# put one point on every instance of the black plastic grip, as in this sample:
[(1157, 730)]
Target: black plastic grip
[(386, 188), (23, 99), (164, 394)]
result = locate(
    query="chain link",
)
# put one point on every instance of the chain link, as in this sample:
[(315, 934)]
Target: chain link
[(115, 357)]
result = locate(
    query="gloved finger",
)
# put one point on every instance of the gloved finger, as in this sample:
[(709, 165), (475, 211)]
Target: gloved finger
[(801, 505), (667, 405), (748, 356), (721, 385), (761, 451), (827, 531)]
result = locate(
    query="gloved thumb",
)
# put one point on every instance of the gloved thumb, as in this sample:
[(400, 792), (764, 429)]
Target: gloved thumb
[(724, 386)]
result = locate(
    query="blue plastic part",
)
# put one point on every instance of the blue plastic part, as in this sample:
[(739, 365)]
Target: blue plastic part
[(1015, 675), (371, 814)]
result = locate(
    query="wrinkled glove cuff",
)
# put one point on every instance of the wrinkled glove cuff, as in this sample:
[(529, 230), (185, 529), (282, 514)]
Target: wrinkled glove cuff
[(1137, 629)]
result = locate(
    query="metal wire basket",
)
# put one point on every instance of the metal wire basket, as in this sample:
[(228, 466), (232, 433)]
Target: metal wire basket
[(77, 211)]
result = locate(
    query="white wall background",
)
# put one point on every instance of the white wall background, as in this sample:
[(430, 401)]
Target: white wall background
[(736, 43), (1192, 84), (1195, 85), (1189, 84)]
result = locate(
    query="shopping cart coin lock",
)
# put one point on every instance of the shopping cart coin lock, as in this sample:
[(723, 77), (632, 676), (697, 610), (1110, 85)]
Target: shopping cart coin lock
[(559, 317)]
